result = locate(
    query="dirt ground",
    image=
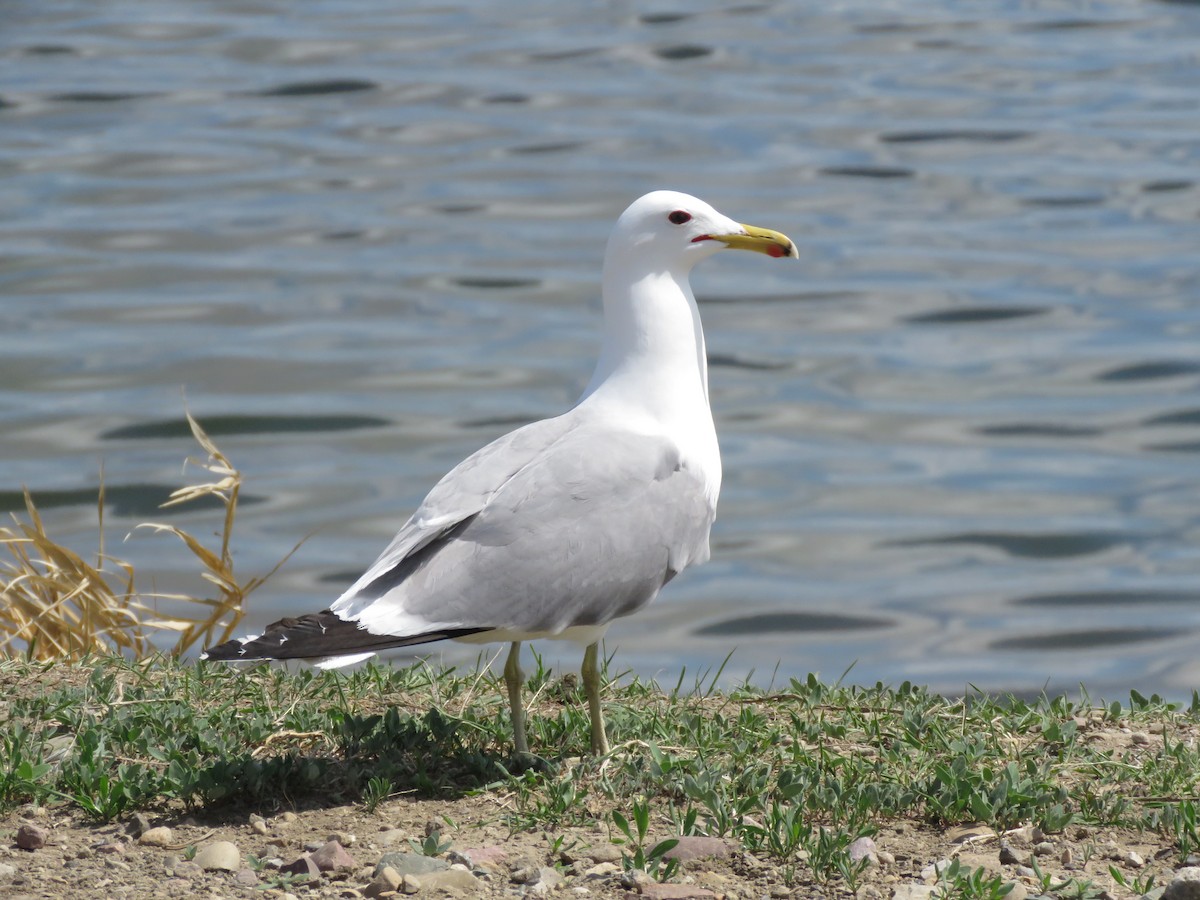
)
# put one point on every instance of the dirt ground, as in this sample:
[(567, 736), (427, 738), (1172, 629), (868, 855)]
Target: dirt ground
[(82, 859)]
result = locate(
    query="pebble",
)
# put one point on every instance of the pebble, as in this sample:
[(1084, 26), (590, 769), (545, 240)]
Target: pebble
[(345, 838), (7, 871), (160, 836), (410, 863), (885, 857), (1026, 872), (1134, 859), (390, 837), (598, 854), (246, 878), (410, 884), (1184, 886), (333, 857), (1140, 738), (931, 872), (691, 847), (1008, 856), (219, 856), (188, 869), (524, 875), (913, 892), (32, 837), (450, 879), (658, 891), (388, 879), (258, 824), (1044, 848), (286, 817), (302, 866), (1016, 891), (480, 857), (138, 825), (602, 870), (863, 848)]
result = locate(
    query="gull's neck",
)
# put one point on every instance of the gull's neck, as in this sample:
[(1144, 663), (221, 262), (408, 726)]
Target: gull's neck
[(653, 372)]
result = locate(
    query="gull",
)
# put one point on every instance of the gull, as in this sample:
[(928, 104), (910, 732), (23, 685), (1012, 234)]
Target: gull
[(559, 527)]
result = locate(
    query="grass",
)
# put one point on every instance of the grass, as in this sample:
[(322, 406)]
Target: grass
[(92, 717), (793, 776)]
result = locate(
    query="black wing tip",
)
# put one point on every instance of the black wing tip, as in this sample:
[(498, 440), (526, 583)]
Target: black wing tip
[(321, 635)]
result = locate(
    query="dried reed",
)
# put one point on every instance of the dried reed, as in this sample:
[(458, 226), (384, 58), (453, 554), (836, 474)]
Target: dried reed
[(57, 605)]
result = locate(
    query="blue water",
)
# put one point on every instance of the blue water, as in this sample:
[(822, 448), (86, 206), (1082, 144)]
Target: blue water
[(961, 436)]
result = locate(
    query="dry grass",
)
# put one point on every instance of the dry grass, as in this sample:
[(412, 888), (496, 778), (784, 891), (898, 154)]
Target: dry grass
[(57, 605)]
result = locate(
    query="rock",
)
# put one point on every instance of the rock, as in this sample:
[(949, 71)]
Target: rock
[(913, 892), (885, 857), (156, 837), (525, 875), (345, 838), (246, 878), (410, 863), (302, 866), (111, 848), (1043, 848), (931, 872), (603, 853), (7, 871), (696, 847), (332, 857), (1134, 859), (492, 857), (188, 869), (390, 837), (286, 817), (138, 825), (602, 870), (450, 879), (1140, 738), (32, 837), (549, 877), (219, 856), (657, 891), (1016, 891), (258, 824), (1009, 857), (1184, 886), (410, 884), (863, 848), (388, 879), (597, 854)]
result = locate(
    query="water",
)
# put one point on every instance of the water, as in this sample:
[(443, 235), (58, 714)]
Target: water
[(961, 436)]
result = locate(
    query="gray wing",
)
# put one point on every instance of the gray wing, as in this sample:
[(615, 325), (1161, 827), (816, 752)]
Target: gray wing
[(559, 524), (462, 492)]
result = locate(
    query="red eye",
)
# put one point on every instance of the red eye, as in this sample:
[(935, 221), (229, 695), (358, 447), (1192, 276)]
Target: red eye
[(679, 217)]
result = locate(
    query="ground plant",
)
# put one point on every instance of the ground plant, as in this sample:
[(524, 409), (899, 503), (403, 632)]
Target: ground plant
[(794, 780)]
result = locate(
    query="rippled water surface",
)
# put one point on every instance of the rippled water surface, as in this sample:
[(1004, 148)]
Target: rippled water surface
[(961, 435)]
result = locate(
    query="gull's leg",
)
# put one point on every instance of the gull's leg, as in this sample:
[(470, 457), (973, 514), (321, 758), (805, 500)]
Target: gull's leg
[(591, 685), (515, 679)]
